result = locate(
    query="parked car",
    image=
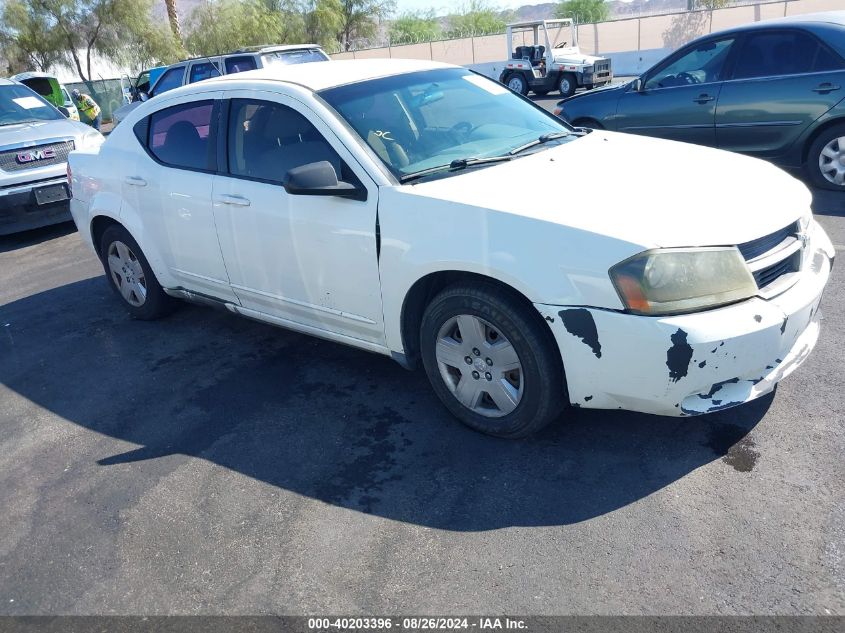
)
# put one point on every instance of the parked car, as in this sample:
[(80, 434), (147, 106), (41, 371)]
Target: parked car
[(774, 90), (51, 89), (543, 55), (371, 202), (193, 70), (138, 89), (35, 140)]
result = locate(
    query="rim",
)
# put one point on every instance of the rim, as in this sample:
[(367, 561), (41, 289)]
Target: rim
[(515, 84), (127, 274), (832, 161), (564, 85), (479, 366)]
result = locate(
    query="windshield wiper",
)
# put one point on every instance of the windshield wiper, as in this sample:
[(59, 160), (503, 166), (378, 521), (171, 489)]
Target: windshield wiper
[(458, 163), (545, 138)]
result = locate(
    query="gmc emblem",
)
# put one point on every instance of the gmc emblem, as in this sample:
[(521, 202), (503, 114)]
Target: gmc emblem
[(36, 154)]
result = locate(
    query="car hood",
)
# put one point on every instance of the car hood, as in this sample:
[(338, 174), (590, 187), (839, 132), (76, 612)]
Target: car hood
[(651, 192), (601, 90), (34, 132)]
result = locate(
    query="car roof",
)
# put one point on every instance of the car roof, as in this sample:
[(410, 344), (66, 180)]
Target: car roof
[(8, 82), (322, 75), (252, 50), (826, 17), (32, 75)]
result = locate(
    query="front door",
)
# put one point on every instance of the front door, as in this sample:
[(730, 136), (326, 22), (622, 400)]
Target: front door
[(678, 99), (783, 81), (311, 260)]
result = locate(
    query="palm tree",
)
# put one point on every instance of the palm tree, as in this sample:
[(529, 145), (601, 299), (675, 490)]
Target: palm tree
[(173, 16)]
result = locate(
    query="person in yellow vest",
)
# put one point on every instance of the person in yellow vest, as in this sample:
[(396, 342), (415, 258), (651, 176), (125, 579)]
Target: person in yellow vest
[(88, 108)]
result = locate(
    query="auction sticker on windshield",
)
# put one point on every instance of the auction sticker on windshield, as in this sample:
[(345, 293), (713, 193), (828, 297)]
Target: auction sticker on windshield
[(28, 102)]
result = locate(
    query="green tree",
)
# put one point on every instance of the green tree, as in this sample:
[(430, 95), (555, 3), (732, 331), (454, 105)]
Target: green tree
[(583, 11), (707, 4), (323, 22), (413, 27), (476, 17), (359, 19), (27, 39), (221, 27)]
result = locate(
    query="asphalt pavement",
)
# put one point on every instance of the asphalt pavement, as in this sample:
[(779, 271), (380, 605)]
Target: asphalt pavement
[(207, 464)]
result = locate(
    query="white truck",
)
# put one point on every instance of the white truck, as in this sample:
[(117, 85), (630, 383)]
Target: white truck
[(544, 56)]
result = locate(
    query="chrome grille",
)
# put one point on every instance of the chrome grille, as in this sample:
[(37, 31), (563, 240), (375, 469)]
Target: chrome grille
[(601, 68), (773, 257), (10, 159)]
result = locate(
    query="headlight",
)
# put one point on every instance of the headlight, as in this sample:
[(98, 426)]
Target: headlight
[(672, 281), (91, 140)]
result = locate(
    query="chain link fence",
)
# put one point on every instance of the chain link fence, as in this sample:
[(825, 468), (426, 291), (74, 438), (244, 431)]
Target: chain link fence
[(106, 92)]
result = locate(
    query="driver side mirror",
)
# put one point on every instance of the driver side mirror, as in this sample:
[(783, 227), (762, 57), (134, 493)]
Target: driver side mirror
[(637, 85), (143, 96), (320, 179), (64, 111)]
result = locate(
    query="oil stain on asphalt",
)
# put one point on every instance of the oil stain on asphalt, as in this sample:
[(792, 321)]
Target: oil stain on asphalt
[(735, 445)]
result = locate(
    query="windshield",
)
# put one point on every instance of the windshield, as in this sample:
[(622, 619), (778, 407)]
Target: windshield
[(284, 58), (437, 118), (19, 104)]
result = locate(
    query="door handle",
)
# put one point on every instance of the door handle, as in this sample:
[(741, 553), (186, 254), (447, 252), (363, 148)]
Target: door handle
[(703, 98), (136, 181), (234, 201), (825, 87)]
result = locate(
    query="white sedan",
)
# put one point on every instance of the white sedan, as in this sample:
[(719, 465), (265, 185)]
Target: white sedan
[(424, 212)]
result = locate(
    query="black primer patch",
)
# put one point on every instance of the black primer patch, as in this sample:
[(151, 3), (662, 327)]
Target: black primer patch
[(579, 322), (678, 356), (702, 363), (588, 398), (550, 319), (783, 325), (758, 318)]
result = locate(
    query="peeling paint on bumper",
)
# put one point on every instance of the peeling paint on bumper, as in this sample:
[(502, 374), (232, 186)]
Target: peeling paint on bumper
[(695, 363)]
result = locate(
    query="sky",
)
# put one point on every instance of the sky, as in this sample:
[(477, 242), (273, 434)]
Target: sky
[(443, 8)]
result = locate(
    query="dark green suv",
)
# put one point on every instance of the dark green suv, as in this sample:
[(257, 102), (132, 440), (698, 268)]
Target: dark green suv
[(774, 89)]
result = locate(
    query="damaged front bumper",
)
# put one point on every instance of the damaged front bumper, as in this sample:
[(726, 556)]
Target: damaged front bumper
[(694, 363)]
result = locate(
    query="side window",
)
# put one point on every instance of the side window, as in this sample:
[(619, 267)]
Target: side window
[(702, 64), (266, 140), (827, 60), (203, 70), (181, 136), (169, 80), (240, 64), (770, 54)]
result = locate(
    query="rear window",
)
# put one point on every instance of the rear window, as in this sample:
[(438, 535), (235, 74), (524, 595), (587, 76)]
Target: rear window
[(284, 58), (41, 85), (180, 136), (202, 71)]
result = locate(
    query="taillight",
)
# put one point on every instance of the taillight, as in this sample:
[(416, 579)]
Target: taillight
[(69, 181), (557, 111)]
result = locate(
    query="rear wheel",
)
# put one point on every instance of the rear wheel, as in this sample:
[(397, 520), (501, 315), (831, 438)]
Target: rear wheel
[(491, 362), (567, 84), (517, 83), (826, 159), (541, 92), (130, 276)]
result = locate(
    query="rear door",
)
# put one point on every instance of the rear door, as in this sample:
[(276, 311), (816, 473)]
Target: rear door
[(678, 98), (171, 189), (783, 80)]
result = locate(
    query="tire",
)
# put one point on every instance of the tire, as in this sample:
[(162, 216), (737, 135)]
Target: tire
[(130, 276), (517, 83), (542, 92), (828, 150), (588, 86), (504, 332), (567, 85)]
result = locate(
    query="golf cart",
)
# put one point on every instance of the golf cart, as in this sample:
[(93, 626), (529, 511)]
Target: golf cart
[(544, 56)]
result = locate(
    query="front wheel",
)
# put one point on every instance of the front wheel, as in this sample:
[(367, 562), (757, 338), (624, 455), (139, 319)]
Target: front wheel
[(567, 85), (826, 159), (518, 84), (130, 276), (491, 361)]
